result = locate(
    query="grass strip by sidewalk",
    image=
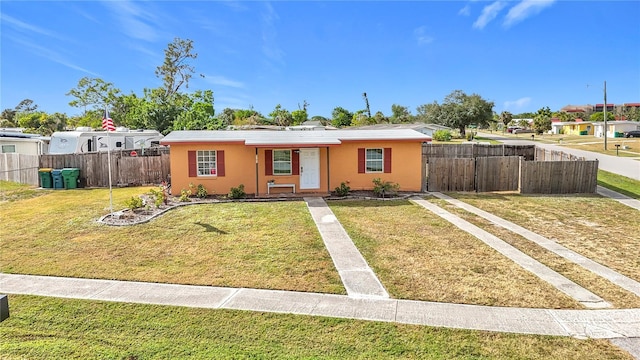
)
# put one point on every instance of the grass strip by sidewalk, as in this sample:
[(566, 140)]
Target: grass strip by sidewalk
[(619, 183), (417, 255), (49, 328), (253, 245), (610, 292), (599, 228)]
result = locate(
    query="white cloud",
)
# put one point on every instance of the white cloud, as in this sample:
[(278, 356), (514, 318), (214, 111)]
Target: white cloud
[(52, 56), (421, 36), (270, 46), (489, 13), (134, 20), (465, 11), (223, 81), (517, 104), (525, 9), (25, 27)]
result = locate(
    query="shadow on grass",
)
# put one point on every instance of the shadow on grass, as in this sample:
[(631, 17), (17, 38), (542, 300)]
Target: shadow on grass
[(211, 228), (368, 203)]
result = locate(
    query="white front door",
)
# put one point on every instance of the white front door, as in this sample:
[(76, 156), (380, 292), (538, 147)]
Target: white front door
[(310, 168)]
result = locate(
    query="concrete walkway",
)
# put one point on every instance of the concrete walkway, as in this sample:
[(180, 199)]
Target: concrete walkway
[(623, 199), (601, 324), (598, 269), (577, 292), (358, 278)]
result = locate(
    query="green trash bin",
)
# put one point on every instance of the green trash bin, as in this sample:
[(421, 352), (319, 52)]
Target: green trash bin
[(46, 181), (70, 177), (56, 174)]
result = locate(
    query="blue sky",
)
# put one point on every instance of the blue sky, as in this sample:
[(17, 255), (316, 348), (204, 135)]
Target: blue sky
[(522, 55)]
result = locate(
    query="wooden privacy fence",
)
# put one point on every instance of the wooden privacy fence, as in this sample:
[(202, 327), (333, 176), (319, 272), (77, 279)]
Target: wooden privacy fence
[(558, 177), (473, 150), (462, 168), (125, 169), (19, 168)]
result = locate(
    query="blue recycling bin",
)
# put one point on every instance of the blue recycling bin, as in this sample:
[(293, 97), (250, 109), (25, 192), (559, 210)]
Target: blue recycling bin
[(58, 182)]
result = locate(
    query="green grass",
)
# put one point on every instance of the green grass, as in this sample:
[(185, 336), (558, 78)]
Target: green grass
[(618, 183), (49, 328), (255, 245)]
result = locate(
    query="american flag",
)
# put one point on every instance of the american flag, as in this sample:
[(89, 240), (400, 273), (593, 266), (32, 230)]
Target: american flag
[(107, 122)]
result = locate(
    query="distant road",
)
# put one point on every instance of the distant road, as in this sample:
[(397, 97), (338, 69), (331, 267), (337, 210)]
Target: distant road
[(618, 165)]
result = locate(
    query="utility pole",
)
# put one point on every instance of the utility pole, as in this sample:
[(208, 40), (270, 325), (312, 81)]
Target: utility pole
[(605, 115)]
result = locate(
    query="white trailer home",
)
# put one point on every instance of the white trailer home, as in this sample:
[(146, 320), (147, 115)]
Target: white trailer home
[(85, 140)]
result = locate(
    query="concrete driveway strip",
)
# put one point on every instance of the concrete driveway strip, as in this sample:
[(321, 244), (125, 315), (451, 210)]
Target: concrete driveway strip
[(623, 199), (577, 292), (598, 269), (358, 278)]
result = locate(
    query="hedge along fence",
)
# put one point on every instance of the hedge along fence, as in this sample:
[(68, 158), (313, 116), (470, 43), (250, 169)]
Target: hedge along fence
[(125, 169), (463, 168), (19, 168)]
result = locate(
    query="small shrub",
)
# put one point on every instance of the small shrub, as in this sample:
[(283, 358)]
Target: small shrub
[(343, 189), (184, 195), (135, 202), (159, 196), (442, 135), (237, 192), (470, 135), (382, 188), (201, 191)]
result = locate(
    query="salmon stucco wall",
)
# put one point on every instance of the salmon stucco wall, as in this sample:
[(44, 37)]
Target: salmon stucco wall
[(406, 165), (342, 166), (239, 168)]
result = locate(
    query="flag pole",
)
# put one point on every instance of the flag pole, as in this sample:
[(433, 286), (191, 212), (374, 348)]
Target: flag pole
[(106, 114)]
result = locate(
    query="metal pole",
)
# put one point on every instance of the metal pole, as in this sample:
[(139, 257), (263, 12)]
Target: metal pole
[(109, 166), (605, 115)]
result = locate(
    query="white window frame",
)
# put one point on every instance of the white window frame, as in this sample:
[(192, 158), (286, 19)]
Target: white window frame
[(4, 146), (371, 160), (207, 162), (276, 169)]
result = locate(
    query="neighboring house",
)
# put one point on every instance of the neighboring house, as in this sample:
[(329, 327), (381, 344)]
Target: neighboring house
[(294, 161), (615, 128), (426, 129), (23, 143), (572, 128)]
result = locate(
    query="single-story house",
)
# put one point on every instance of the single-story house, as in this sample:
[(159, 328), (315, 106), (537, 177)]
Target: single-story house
[(23, 143), (615, 128), (294, 161), (424, 128), (572, 128)]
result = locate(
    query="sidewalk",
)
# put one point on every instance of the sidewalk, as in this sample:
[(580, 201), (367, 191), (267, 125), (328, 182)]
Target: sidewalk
[(600, 324)]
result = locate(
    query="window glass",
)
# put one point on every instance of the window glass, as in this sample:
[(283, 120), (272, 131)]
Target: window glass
[(8, 148), (374, 160), (206, 162), (281, 162)]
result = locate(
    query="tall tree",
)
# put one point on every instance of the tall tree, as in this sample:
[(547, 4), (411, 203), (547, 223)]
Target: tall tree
[(281, 116), (400, 114), (429, 113), (199, 114), (599, 116), (366, 103), (341, 117), (93, 93), (542, 120), (505, 118), (458, 110), (176, 71)]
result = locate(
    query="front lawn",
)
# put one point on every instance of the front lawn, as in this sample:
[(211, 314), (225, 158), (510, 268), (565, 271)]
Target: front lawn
[(418, 255), (49, 328), (254, 245)]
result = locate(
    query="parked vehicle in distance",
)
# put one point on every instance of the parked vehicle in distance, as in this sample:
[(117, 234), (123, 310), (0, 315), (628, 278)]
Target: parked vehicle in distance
[(522, 131), (86, 140), (632, 133), (512, 129)]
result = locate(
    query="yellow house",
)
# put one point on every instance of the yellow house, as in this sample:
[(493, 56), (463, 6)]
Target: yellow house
[(577, 128), (267, 162)]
